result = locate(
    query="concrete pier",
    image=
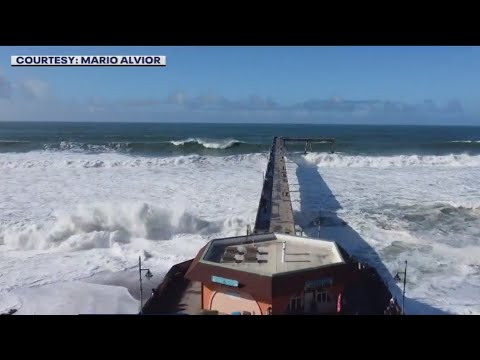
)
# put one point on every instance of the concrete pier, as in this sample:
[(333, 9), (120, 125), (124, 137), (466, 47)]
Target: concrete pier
[(275, 212), (182, 291)]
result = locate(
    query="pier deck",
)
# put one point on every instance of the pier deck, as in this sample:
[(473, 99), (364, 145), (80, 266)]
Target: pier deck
[(275, 212)]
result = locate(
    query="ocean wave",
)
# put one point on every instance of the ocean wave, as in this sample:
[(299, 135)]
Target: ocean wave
[(115, 160), (103, 225), (465, 141), (209, 144), (62, 161), (160, 147), (339, 160), (87, 148)]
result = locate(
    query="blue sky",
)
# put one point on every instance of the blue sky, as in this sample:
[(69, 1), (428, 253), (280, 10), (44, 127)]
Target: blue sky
[(424, 85)]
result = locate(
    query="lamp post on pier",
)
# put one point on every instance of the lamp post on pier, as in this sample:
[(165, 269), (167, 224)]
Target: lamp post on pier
[(398, 278), (148, 275)]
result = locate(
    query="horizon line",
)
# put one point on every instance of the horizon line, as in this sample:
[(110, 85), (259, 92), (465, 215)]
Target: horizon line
[(230, 123)]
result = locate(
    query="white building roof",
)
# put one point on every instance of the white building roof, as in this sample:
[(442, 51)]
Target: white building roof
[(272, 253)]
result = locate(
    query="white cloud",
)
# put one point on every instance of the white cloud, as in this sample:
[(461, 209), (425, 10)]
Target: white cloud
[(6, 87), (34, 89), (177, 98), (19, 101)]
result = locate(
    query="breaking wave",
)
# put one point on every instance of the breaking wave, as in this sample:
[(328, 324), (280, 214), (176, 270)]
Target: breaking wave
[(78, 147), (103, 225), (45, 160), (209, 144), (135, 146)]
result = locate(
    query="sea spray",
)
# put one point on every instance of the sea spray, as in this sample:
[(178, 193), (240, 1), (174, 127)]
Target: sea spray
[(102, 225)]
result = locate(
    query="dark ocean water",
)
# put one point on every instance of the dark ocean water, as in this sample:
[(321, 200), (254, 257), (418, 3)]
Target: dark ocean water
[(227, 139)]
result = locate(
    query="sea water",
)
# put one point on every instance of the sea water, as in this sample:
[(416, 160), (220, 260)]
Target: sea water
[(80, 202)]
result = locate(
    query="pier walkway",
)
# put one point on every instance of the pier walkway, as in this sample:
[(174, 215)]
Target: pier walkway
[(275, 212)]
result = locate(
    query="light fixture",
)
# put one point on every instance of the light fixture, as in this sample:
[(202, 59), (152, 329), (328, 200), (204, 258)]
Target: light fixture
[(148, 275), (398, 278)]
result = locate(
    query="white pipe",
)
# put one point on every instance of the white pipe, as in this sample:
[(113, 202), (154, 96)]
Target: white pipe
[(283, 251)]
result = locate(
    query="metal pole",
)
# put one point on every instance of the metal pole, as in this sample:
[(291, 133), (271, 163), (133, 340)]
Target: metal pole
[(140, 277), (404, 283)]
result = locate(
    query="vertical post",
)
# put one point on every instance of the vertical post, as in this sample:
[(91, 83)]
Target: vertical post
[(283, 251), (141, 288), (404, 283)]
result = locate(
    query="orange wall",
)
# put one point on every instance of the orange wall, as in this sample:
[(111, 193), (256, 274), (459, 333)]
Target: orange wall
[(279, 304), (209, 291), (207, 294)]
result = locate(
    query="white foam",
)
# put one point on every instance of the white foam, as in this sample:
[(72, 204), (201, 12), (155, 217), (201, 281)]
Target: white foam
[(77, 147), (103, 225), (63, 222), (109, 160), (341, 160), (74, 298), (427, 215)]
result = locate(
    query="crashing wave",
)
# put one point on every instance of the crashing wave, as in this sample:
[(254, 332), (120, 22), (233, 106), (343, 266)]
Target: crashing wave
[(103, 225), (209, 144)]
